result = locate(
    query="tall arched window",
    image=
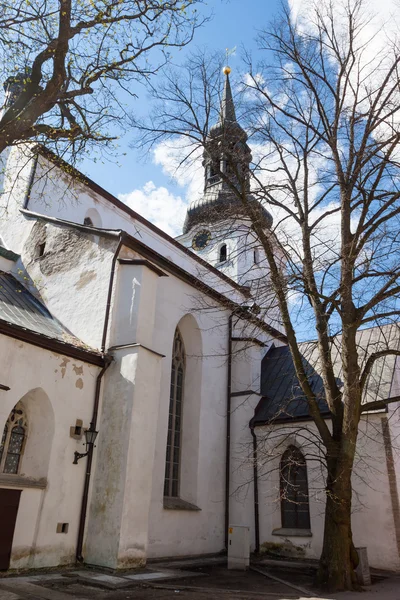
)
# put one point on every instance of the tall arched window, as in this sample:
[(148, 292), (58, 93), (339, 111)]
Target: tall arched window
[(174, 439), (13, 441), (223, 253), (294, 490)]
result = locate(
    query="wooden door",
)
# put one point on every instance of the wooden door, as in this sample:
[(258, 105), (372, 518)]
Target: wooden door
[(9, 502)]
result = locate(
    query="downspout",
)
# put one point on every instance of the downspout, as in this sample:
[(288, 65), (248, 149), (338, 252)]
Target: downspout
[(93, 423), (255, 482), (228, 429), (85, 496)]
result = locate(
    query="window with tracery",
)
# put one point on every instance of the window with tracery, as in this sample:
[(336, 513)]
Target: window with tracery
[(13, 441), (294, 490), (174, 439)]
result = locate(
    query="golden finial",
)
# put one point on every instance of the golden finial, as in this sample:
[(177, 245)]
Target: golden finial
[(226, 70)]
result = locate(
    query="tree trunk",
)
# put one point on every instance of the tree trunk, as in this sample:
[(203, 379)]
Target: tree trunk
[(339, 558)]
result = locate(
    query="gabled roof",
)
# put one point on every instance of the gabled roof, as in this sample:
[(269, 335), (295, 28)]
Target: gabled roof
[(282, 398), (24, 317)]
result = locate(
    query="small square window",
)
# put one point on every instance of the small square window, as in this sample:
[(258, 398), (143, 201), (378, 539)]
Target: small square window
[(62, 527)]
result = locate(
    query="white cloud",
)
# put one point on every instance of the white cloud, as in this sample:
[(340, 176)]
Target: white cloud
[(188, 175), (157, 204)]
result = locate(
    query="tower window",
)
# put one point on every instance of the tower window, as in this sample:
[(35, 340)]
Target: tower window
[(256, 257), (88, 221), (223, 253)]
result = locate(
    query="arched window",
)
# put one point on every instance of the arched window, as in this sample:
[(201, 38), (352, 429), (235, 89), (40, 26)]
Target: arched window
[(256, 258), (13, 441), (294, 490), (174, 439), (223, 253)]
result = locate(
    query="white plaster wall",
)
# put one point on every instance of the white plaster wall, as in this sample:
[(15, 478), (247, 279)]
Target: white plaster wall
[(241, 243), (372, 520), (71, 278), (16, 165), (246, 373), (56, 194), (183, 532), (64, 388)]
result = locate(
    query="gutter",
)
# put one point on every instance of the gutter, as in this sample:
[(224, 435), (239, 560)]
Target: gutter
[(49, 343), (228, 429), (96, 402)]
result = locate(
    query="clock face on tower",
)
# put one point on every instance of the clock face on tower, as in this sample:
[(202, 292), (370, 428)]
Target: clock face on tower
[(201, 239)]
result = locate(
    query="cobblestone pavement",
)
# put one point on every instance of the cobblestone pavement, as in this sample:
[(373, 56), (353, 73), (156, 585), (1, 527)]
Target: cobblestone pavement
[(160, 583)]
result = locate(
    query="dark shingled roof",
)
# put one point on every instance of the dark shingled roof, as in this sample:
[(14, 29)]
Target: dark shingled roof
[(19, 307), (282, 398)]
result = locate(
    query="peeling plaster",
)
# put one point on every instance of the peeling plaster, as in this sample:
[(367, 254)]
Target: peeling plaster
[(63, 366)]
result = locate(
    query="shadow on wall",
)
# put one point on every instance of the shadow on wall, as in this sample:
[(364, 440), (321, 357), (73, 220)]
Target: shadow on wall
[(41, 424), (191, 408)]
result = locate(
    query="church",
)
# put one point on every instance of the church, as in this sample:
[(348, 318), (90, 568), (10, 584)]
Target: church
[(142, 379)]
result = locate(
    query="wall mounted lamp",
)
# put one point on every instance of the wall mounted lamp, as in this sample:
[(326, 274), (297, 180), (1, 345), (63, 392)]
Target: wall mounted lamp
[(90, 437)]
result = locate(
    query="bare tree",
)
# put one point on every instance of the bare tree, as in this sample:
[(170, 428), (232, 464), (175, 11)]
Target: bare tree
[(71, 66), (323, 117)]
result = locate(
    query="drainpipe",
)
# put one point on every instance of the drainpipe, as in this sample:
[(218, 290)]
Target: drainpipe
[(109, 295), (228, 429), (93, 423), (255, 482), (85, 496)]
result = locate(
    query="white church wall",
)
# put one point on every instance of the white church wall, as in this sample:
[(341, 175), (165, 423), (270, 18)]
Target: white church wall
[(190, 532), (118, 523), (55, 391), (71, 277), (16, 166), (246, 373), (372, 519), (57, 194)]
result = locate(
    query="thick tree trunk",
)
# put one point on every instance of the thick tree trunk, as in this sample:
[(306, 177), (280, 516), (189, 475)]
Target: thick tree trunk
[(339, 558)]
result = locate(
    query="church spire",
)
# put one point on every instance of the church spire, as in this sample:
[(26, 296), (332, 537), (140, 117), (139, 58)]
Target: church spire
[(228, 114), (226, 162)]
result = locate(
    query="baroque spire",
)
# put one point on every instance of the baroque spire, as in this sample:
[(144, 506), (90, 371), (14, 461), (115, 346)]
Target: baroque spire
[(227, 156)]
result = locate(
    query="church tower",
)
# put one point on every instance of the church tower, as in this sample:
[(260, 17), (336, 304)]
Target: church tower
[(217, 227)]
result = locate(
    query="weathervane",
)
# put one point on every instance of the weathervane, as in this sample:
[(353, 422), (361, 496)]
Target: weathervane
[(226, 70)]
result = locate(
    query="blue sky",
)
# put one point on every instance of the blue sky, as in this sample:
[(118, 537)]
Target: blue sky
[(234, 23)]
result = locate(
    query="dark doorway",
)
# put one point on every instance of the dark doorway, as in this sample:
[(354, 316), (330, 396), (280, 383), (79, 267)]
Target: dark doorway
[(9, 502)]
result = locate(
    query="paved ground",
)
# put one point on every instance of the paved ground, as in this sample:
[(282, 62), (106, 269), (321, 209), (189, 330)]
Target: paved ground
[(191, 581)]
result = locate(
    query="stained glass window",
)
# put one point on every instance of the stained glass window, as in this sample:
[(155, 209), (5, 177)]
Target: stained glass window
[(294, 490), (3, 442), (12, 442), (174, 438)]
